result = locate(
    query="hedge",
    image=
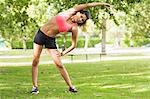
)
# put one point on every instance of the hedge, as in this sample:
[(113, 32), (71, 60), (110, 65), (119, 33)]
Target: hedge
[(19, 44), (59, 41), (80, 43)]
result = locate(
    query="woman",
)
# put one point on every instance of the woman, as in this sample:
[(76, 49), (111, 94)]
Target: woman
[(63, 22)]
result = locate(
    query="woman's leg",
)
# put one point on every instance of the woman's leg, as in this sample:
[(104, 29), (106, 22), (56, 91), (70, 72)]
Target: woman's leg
[(36, 56), (56, 58)]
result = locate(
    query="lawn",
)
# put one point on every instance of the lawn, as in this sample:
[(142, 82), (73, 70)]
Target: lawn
[(100, 80)]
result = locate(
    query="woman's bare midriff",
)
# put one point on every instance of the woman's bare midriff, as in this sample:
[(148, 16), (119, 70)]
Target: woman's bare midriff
[(50, 28)]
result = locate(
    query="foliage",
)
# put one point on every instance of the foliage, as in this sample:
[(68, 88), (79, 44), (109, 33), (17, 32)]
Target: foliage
[(80, 43), (21, 18), (127, 39), (13, 18), (138, 20)]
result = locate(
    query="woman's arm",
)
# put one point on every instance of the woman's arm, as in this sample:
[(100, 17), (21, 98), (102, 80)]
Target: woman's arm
[(74, 40), (88, 5), (77, 8)]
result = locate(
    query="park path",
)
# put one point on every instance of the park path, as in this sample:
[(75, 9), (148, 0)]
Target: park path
[(109, 52), (75, 61)]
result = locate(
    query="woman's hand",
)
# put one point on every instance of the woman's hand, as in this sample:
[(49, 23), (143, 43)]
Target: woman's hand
[(107, 4), (62, 53)]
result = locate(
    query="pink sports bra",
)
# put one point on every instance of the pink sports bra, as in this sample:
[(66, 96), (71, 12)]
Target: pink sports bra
[(63, 26)]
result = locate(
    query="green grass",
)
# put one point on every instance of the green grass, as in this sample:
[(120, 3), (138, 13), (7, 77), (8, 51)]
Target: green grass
[(101, 80)]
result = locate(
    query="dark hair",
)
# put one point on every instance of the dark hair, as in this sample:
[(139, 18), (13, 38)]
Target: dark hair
[(87, 14)]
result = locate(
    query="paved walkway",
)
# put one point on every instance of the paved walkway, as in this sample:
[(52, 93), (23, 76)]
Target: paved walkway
[(90, 50), (75, 61)]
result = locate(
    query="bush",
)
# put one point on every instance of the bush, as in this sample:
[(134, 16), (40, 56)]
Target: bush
[(127, 42), (93, 41), (141, 42), (80, 43), (17, 45), (29, 44), (59, 42)]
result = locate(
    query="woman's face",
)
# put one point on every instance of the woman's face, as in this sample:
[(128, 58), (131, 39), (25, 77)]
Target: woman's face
[(79, 18)]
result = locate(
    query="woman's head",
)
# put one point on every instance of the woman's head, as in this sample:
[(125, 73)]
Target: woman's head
[(81, 17)]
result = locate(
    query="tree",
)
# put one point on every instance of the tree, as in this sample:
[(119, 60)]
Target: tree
[(13, 18), (138, 21), (21, 18)]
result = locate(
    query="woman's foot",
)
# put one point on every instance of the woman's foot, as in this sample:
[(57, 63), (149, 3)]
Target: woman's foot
[(35, 90), (73, 89)]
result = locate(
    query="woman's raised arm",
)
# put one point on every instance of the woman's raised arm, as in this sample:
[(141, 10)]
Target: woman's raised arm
[(88, 5)]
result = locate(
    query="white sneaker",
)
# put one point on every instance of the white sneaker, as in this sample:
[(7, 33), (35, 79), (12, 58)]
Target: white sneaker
[(35, 90)]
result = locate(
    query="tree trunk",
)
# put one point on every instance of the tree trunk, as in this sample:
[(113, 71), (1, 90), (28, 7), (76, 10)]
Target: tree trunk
[(86, 41), (11, 42), (103, 36), (24, 43)]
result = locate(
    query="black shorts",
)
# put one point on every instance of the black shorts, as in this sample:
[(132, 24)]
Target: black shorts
[(42, 39)]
